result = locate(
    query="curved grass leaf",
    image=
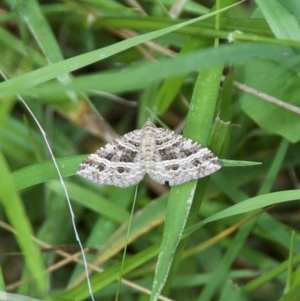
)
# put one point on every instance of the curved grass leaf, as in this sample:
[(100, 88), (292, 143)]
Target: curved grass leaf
[(141, 76), (31, 79), (43, 172)]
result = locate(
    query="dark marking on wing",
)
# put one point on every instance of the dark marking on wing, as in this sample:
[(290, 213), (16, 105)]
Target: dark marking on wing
[(172, 167)]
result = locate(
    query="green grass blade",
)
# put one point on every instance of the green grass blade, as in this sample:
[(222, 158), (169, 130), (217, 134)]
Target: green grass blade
[(36, 77), (179, 204), (199, 124), (13, 207), (142, 75), (282, 22), (256, 203), (43, 172), (37, 23)]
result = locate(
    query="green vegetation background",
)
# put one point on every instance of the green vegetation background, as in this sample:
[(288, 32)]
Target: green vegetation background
[(90, 70)]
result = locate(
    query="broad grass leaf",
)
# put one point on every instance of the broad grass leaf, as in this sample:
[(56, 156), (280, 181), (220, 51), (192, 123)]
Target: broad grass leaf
[(278, 81)]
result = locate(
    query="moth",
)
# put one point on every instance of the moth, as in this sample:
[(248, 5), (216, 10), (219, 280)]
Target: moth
[(167, 158)]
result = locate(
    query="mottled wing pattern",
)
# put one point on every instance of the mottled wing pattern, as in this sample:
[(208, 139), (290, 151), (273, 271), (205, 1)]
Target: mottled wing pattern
[(178, 159), (118, 163)]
